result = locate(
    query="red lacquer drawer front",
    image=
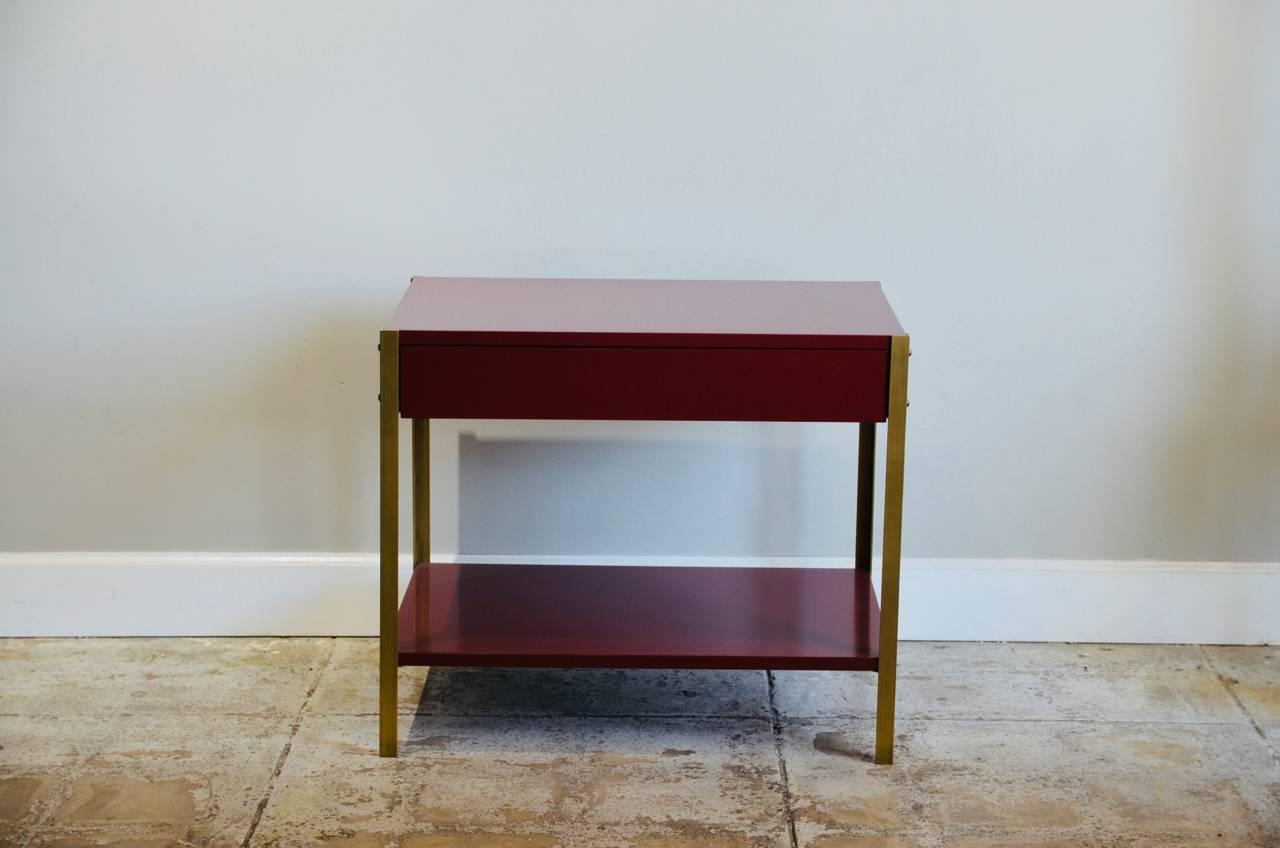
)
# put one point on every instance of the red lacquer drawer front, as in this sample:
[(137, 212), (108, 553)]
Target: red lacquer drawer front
[(643, 383)]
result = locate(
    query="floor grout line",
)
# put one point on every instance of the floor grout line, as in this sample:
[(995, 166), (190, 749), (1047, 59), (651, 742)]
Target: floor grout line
[(826, 719), (1231, 693), (775, 726), (288, 746)]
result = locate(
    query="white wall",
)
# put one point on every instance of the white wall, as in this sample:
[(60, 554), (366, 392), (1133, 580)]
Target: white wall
[(207, 209)]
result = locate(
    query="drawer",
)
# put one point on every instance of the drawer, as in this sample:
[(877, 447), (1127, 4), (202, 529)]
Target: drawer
[(643, 383)]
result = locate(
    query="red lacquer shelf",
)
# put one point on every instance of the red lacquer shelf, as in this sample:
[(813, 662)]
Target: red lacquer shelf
[(639, 617)]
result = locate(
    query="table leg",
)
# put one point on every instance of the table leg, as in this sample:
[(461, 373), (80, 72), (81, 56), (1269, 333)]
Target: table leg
[(895, 458), (421, 491), (866, 494), (389, 530)]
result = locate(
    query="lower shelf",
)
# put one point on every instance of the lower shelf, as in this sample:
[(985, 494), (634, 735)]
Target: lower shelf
[(639, 617)]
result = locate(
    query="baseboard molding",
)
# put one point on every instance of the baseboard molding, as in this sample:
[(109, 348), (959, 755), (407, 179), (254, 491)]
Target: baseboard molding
[(189, 594)]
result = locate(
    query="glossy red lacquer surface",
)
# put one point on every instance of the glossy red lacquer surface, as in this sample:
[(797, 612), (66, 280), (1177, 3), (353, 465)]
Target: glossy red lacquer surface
[(683, 313), (639, 617)]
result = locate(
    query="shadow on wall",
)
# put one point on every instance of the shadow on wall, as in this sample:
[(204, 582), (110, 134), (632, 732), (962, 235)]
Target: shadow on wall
[(634, 491), (1215, 493)]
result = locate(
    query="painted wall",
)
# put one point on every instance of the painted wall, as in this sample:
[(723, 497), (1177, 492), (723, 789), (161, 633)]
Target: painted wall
[(207, 209)]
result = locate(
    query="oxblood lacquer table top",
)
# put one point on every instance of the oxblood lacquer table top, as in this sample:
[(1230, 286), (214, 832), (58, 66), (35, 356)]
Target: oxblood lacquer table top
[(685, 313)]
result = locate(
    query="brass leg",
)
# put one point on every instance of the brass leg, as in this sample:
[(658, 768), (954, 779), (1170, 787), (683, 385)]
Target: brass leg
[(388, 572), (866, 494), (895, 458), (421, 491)]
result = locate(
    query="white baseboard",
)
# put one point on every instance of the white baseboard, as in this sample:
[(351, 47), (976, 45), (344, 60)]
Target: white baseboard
[(187, 594)]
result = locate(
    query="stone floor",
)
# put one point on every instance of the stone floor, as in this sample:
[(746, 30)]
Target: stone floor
[(227, 742)]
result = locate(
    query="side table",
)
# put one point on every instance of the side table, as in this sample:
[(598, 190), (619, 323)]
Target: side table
[(656, 350)]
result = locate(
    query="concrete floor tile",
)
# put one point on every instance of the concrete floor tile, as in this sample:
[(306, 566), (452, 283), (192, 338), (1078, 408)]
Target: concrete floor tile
[(1149, 683), (107, 842), (839, 797), (934, 678), (350, 687), (1035, 783), (168, 779), (1049, 840), (1253, 675), (1021, 681), (921, 840), (540, 781), (39, 758), (65, 677), (38, 742)]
